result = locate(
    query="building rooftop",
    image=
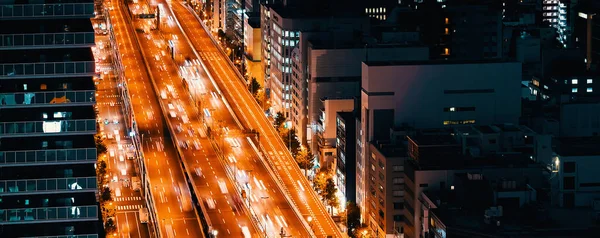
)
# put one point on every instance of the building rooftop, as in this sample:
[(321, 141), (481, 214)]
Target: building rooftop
[(490, 161), (578, 146), (438, 62), (337, 79), (433, 140), (485, 129), (390, 150)]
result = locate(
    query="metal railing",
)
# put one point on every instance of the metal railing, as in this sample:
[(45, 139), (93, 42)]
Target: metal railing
[(66, 236), (54, 97), (34, 215), (17, 187), (8, 158), (47, 68), (47, 10), (47, 127), (47, 39)]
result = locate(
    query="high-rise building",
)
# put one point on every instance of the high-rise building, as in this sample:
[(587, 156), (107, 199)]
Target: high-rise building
[(431, 94), (48, 185)]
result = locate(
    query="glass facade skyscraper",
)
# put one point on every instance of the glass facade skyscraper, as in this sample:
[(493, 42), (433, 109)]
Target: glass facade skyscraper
[(48, 185)]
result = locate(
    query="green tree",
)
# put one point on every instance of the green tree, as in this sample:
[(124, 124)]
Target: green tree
[(305, 159), (101, 172), (279, 120), (291, 142), (330, 193), (100, 146), (319, 183), (352, 217), (106, 194), (109, 226), (254, 86)]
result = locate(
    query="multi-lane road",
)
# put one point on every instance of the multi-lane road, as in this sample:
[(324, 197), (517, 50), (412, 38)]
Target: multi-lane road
[(243, 104), (226, 213), (296, 186), (160, 156)]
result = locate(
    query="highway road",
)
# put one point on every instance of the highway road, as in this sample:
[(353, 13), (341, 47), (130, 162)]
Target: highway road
[(160, 157), (268, 205), (252, 116), (225, 213), (126, 200)]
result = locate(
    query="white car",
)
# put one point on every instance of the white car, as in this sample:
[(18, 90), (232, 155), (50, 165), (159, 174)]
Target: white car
[(198, 171)]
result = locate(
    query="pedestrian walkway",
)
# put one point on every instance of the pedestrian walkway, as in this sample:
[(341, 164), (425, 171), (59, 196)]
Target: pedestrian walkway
[(129, 207), (122, 199)]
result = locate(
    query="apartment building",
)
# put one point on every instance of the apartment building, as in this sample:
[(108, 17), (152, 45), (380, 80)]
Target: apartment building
[(575, 180), (48, 184), (432, 94), (282, 26)]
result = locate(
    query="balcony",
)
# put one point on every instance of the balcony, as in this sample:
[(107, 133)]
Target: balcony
[(56, 98), (46, 40), (52, 69), (20, 11), (42, 128), (44, 157), (48, 214), (46, 186)]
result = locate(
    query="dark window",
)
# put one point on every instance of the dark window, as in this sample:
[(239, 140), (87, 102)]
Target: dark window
[(459, 109), (589, 185), (569, 200), (492, 141), (398, 205), (423, 185), (397, 217), (569, 167), (569, 182)]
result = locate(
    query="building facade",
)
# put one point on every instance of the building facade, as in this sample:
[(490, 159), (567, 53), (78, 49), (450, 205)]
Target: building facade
[(48, 183), (432, 94)]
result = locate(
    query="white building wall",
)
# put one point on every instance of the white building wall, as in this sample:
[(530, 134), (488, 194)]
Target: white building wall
[(580, 119), (587, 183), (219, 15)]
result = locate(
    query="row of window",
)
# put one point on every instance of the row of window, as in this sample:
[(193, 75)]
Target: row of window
[(587, 90), (576, 81)]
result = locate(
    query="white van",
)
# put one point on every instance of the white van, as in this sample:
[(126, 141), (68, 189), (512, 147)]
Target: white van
[(173, 114), (171, 107), (111, 153), (121, 158)]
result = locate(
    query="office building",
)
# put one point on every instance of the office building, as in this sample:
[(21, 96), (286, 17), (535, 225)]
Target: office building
[(48, 185), (432, 94), (219, 15), (345, 173), (282, 26)]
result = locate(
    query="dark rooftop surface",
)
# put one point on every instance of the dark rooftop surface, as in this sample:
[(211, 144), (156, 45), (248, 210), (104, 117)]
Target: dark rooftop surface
[(53, 142), (46, 55), (390, 150), (485, 129), (56, 84), (437, 62), (492, 161), (578, 146), (434, 140), (48, 26), (35, 114)]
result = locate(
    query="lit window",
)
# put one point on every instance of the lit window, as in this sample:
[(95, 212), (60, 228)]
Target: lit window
[(45, 115), (574, 90), (446, 51), (590, 81), (574, 81), (452, 109), (446, 31), (59, 114), (24, 87), (447, 20), (589, 90)]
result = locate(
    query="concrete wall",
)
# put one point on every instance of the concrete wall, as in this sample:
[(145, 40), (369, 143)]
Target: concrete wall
[(581, 119)]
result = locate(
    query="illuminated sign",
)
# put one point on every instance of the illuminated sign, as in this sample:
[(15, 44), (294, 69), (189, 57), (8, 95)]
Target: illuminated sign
[(583, 15)]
